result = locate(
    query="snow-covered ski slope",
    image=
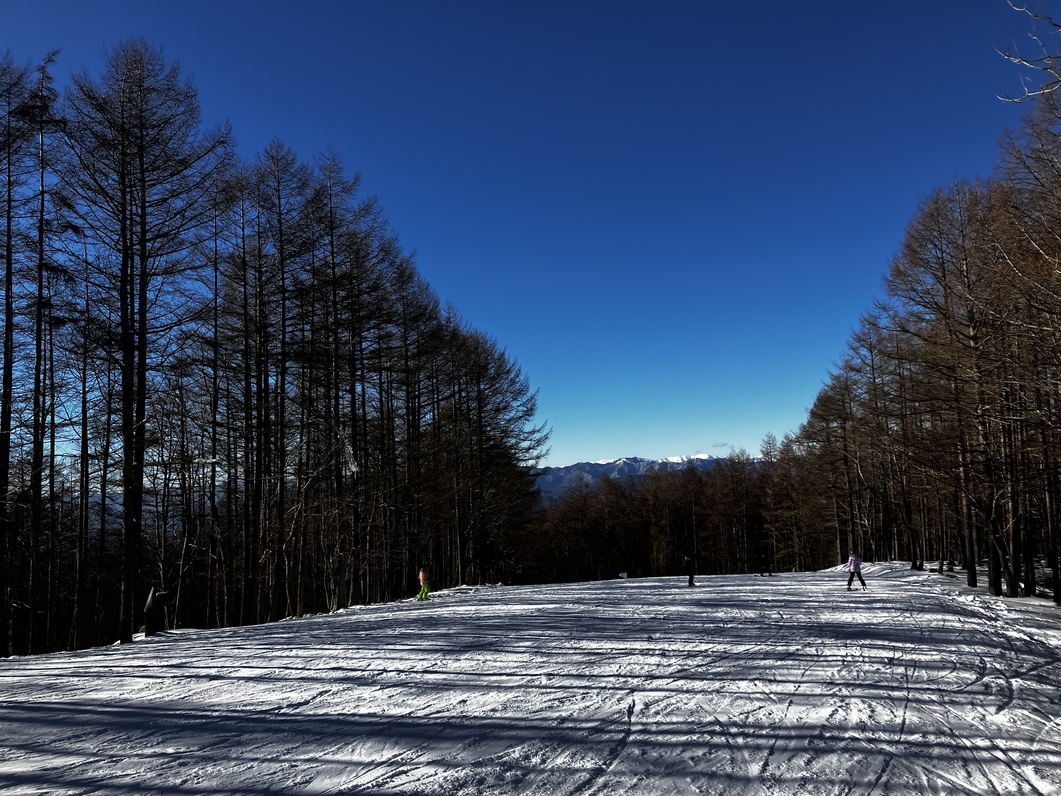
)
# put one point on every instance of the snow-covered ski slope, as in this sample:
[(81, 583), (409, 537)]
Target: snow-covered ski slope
[(741, 685)]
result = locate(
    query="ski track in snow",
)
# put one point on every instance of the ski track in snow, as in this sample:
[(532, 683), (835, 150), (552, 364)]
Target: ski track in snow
[(741, 685)]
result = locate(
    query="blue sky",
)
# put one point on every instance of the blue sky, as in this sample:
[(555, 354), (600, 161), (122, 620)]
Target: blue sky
[(671, 214)]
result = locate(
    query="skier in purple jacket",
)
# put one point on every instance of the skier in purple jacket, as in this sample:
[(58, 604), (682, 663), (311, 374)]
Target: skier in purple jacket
[(854, 566)]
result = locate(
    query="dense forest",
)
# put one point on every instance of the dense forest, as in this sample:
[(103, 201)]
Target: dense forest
[(659, 523), (937, 436), (224, 379)]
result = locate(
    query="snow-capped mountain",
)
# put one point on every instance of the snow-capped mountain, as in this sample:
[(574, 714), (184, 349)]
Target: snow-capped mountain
[(555, 481)]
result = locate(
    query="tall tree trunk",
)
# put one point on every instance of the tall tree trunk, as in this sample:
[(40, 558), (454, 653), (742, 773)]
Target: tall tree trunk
[(37, 643), (12, 97)]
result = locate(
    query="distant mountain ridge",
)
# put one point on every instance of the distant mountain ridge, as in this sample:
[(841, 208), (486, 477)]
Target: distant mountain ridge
[(555, 481)]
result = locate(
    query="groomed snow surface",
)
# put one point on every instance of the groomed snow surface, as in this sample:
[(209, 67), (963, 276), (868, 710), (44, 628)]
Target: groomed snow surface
[(741, 685)]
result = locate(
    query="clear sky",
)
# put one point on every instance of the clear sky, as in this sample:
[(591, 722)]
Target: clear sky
[(671, 214)]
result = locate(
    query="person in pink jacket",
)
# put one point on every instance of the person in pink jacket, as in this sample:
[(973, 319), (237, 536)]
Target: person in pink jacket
[(854, 567)]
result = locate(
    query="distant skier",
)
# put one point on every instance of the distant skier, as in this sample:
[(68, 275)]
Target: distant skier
[(854, 567), (690, 566), (425, 589)]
